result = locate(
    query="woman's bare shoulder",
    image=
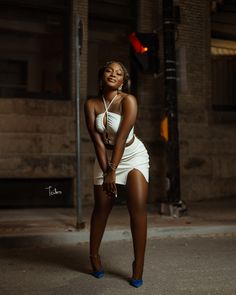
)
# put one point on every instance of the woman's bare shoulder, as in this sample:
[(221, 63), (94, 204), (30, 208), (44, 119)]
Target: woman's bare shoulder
[(129, 99), (91, 103)]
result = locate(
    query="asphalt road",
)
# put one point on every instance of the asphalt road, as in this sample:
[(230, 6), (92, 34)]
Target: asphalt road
[(201, 266)]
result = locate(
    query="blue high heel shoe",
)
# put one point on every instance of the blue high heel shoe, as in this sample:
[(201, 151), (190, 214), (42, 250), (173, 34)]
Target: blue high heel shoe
[(97, 273), (136, 283)]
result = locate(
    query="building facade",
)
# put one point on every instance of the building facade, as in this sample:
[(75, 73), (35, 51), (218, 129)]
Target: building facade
[(38, 122)]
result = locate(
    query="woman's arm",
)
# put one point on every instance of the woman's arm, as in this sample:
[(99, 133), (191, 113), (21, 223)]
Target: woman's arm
[(129, 114), (99, 146)]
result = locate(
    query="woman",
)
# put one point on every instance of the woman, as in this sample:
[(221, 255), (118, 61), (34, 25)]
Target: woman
[(121, 158)]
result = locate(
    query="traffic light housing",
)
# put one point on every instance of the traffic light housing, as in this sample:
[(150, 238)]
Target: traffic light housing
[(144, 52)]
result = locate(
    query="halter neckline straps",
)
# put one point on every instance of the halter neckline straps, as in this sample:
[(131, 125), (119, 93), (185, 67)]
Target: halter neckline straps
[(104, 101)]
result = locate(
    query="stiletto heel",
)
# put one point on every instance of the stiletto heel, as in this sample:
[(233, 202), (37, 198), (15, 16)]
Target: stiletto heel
[(97, 273)]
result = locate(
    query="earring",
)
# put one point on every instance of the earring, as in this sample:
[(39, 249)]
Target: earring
[(120, 88)]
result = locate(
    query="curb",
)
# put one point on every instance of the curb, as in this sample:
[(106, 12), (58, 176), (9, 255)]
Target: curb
[(73, 238)]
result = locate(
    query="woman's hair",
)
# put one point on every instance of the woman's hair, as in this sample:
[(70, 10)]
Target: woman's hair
[(101, 71)]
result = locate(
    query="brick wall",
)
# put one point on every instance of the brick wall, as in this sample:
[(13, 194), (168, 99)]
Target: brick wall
[(208, 159), (38, 135), (150, 97), (37, 138)]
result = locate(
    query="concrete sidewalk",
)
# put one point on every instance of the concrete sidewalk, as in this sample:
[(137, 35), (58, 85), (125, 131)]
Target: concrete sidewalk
[(57, 226)]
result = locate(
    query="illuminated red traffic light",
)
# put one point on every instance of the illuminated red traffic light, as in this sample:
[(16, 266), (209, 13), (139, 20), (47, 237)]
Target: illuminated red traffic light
[(144, 51), (137, 45)]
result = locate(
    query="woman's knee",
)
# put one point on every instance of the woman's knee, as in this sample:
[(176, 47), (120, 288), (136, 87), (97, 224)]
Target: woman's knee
[(138, 209), (100, 196)]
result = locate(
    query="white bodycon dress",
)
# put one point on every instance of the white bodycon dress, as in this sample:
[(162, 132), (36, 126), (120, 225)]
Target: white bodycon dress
[(135, 155)]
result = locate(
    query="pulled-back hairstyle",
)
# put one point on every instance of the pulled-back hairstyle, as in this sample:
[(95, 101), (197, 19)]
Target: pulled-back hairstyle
[(101, 71)]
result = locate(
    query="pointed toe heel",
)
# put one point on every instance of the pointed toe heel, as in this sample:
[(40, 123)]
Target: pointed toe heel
[(98, 274), (136, 283)]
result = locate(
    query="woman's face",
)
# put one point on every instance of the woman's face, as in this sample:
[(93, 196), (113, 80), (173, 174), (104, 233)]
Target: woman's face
[(113, 76)]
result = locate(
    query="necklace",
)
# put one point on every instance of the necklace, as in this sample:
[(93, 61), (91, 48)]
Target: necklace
[(105, 104)]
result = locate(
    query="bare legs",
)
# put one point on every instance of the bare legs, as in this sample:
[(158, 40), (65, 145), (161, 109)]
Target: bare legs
[(137, 198), (102, 208), (136, 202)]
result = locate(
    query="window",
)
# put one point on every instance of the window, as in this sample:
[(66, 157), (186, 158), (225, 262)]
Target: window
[(223, 83), (223, 53), (223, 67), (34, 49)]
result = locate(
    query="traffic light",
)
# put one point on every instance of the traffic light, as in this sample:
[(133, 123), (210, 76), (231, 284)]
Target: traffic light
[(145, 51)]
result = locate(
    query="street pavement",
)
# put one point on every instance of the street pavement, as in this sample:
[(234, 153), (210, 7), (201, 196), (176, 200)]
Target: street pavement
[(42, 252), (173, 266), (57, 226)]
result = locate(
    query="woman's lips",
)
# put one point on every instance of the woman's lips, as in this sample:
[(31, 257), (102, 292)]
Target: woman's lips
[(111, 80)]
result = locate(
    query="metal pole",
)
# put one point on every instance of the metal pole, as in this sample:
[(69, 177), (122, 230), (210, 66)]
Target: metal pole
[(79, 224), (171, 102)]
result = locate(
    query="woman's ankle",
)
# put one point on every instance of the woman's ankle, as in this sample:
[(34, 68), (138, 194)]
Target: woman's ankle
[(137, 270), (95, 262)]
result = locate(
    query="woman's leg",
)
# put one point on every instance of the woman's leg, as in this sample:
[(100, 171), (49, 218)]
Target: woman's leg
[(102, 208), (137, 199)]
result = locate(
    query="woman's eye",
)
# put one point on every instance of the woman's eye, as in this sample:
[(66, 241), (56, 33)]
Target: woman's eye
[(111, 71), (119, 74)]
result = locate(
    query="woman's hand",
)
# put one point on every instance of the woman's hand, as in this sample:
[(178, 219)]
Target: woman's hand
[(109, 183)]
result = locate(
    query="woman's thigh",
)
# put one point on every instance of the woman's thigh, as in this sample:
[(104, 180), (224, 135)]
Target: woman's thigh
[(137, 188)]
